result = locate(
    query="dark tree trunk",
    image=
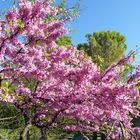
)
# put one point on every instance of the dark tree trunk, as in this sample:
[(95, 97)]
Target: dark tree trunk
[(94, 136), (103, 137), (43, 134)]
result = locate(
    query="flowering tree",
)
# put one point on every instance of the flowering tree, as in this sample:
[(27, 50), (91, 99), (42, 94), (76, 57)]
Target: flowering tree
[(50, 83)]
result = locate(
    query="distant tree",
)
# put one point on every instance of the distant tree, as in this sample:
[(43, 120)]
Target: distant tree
[(105, 48)]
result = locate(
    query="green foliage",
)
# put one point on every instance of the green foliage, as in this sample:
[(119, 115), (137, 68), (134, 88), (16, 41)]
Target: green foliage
[(20, 24), (105, 48), (64, 41), (127, 70), (8, 31), (9, 134), (10, 117)]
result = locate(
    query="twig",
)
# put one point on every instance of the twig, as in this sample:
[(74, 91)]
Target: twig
[(9, 118)]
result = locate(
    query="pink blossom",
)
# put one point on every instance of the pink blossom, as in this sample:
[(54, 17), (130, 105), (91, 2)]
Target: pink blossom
[(60, 80)]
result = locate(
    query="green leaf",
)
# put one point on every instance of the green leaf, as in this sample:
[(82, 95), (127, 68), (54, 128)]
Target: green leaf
[(8, 31), (3, 96), (20, 23), (4, 84)]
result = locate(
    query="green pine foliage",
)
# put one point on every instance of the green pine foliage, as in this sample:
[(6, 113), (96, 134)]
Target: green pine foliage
[(104, 48)]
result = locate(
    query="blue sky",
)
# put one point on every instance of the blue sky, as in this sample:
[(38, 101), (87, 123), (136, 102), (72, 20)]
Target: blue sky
[(116, 15), (97, 15)]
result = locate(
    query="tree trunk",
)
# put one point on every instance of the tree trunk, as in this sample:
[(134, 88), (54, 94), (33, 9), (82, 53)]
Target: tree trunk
[(24, 135), (103, 137), (28, 135), (43, 134), (94, 136)]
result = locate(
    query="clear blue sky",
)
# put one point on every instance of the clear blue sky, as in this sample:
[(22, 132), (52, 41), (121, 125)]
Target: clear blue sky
[(97, 15), (116, 15)]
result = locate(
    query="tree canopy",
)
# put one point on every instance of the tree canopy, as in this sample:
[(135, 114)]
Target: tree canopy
[(105, 48)]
